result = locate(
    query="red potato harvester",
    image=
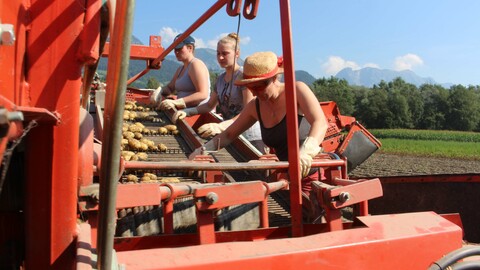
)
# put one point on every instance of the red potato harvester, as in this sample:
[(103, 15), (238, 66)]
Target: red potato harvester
[(79, 192)]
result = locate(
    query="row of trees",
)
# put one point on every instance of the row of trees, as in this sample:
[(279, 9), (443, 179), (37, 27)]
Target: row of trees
[(398, 104)]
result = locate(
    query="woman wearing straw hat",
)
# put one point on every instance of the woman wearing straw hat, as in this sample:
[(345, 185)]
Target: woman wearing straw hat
[(260, 77), (191, 81), (229, 98)]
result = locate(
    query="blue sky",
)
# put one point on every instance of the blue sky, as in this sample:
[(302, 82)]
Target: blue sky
[(437, 39)]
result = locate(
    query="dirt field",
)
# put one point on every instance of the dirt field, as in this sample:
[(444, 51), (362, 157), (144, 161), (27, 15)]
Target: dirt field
[(390, 165)]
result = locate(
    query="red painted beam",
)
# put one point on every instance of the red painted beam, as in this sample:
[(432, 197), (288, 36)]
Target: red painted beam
[(407, 241)]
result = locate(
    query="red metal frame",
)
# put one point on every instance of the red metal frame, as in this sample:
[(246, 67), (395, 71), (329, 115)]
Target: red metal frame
[(376, 244), (141, 52), (47, 66)]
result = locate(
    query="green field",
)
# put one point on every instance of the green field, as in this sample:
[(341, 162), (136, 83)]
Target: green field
[(430, 143)]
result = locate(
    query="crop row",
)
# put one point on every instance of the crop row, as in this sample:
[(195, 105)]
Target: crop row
[(426, 135)]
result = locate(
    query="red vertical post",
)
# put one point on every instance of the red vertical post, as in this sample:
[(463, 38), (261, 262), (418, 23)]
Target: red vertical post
[(292, 121), (53, 72), (205, 227), (168, 216), (263, 207), (363, 208)]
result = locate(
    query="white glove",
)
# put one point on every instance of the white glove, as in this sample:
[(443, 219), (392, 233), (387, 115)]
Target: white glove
[(212, 129), (310, 148), (209, 146), (156, 96), (172, 103), (181, 114)]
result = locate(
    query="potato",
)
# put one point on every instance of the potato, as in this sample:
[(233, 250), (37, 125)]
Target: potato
[(132, 115), (126, 115), (128, 135), (162, 147), (142, 156), (134, 144), (169, 180), (162, 131), (138, 135), (132, 178), (151, 176), (146, 179), (143, 146), (170, 127), (147, 142), (146, 131), (135, 128), (139, 124)]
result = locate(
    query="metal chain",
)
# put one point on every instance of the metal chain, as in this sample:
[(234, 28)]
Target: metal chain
[(8, 152)]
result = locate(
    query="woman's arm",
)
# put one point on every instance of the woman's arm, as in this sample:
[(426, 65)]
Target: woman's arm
[(245, 119), (313, 112), (209, 105), (310, 107)]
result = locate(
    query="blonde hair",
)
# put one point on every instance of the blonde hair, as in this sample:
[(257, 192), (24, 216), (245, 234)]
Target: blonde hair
[(232, 39)]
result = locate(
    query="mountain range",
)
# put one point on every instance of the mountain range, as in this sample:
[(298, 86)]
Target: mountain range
[(370, 76), (363, 77)]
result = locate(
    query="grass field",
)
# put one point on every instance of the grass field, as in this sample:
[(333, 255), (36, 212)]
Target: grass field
[(430, 143)]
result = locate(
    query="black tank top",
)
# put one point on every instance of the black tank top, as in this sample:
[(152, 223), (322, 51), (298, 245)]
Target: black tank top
[(276, 136)]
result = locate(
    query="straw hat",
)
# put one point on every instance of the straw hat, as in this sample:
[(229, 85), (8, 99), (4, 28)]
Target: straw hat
[(260, 66)]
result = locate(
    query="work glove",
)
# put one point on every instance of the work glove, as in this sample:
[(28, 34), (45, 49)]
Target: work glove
[(172, 103), (310, 148), (211, 129), (156, 96), (209, 146), (181, 114)]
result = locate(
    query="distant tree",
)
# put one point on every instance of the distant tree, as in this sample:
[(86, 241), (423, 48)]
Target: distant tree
[(152, 83), (400, 115), (463, 111), (213, 79), (413, 98), (476, 90), (360, 93), (435, 106), (372, 111), (338, 90)]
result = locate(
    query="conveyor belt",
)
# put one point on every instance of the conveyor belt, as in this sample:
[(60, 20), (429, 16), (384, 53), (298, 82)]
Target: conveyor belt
[(148, 220)]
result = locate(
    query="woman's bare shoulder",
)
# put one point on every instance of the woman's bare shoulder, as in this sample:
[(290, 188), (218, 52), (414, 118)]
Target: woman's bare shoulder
[(198, 63)]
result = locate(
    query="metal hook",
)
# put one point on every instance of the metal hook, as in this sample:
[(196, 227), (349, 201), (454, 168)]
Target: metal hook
[(233, 8), (250, 9)]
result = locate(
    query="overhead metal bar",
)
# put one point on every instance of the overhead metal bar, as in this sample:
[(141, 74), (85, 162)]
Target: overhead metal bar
[(157, 62)]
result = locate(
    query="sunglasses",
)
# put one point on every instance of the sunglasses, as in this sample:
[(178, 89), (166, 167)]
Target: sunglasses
[(179, 49), (259, 86)]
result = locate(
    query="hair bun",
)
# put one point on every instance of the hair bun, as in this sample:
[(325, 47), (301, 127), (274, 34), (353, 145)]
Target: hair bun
[(234, 36)]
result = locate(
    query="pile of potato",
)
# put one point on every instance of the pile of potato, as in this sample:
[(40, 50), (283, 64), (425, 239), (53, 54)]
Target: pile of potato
[(134, 112), (133, 137), (134, 144), (150, 177)]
